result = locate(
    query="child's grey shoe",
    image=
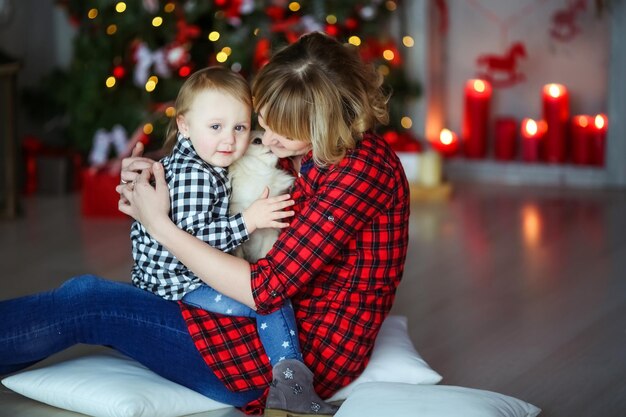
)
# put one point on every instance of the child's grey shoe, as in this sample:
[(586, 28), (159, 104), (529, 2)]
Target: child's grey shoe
[(291, 393)]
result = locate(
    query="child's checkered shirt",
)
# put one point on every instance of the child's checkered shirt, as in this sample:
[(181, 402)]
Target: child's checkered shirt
[(199, 195)]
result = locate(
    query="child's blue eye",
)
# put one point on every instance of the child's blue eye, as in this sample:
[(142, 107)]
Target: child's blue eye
[(214, 127), (240, 128)]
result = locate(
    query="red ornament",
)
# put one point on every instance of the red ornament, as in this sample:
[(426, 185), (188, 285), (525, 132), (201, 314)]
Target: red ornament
[(332, 30), (261, 53), (185, 32), (501, 70), (234, 9), (351, 24), (119, 71), (289, 27), (184, 71), (275, 13), (144, 139)]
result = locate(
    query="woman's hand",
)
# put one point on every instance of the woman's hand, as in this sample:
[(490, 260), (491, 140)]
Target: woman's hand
[(134, 164), (131, 167), (149, 205)]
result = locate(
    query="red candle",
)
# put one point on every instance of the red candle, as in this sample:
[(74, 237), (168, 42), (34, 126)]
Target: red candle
[(506, 136), (447, 144), (581, 139), (532, 133), (476, 118), (598, 139), (556, 115)]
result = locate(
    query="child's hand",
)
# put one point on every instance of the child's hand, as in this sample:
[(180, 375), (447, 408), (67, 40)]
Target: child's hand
[(267, 212)]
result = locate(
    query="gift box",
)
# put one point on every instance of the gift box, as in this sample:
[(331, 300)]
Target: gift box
[(408, 149), (49, 170), (98, 195)]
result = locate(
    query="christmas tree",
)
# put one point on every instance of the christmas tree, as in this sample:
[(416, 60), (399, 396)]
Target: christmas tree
[(130, 58)]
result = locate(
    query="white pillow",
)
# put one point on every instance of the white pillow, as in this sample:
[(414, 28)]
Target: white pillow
[(109, 384), (394, 359), (112, 385), (376, 399)]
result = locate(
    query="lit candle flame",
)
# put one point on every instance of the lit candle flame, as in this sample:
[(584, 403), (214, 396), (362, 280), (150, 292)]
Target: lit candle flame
[(479, 86), (555, 90), (582, 121), (531, 127), (446, 137)]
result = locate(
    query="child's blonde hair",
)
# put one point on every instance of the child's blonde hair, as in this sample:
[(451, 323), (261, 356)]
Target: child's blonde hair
[(319, 91), (210, 78)]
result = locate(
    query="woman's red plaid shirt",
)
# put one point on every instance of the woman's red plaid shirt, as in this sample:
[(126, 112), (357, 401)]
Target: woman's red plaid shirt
[(340, 262)]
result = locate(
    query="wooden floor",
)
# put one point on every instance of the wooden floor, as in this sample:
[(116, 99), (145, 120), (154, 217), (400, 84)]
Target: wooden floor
[(511, 289)]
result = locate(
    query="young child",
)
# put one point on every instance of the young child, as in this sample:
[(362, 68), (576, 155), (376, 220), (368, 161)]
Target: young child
[(211, 131)]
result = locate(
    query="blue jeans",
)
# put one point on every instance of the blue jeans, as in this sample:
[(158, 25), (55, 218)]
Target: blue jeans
[(91, 310), (277, 330)]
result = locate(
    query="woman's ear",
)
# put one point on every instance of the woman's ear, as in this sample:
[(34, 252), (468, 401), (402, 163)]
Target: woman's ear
[(182, 125)]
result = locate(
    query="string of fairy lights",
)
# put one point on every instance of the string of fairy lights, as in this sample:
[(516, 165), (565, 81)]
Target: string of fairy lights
[(222, 55)]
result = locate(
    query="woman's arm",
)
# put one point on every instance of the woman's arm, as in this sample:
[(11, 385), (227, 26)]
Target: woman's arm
[(226, 273), (347, 199), (150, 206)]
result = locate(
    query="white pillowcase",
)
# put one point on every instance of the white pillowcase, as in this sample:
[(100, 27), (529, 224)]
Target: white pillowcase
[(375, 399), (394, 359), (112, 385), (109, 385)]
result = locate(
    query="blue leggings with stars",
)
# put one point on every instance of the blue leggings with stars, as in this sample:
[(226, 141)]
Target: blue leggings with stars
[(278, 330)]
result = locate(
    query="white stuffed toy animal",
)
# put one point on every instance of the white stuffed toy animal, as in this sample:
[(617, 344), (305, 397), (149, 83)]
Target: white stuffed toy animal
[(249, 176)]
